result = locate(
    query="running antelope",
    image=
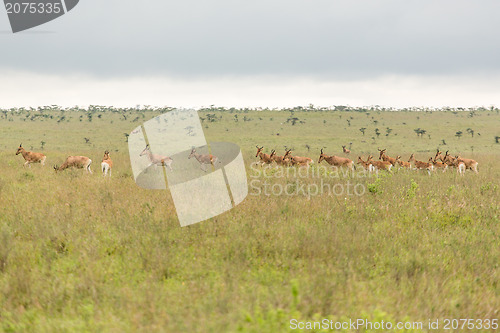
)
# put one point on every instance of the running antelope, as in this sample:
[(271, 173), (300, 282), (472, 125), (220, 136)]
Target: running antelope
[(31, 157), (336, 160), (264, 158), (386, 158), (106, 164), (279, 159), (421, 165), (379, 165), (345, 150), (204, 160), (297, 160), (402, 163), (155, 159), (79, 162)]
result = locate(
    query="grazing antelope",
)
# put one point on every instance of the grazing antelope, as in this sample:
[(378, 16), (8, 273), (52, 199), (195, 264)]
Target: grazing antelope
[(345, 150), (31, 157), (469, 163), (336, 160), (297, 160), (264, 158), (204, 160), (421, 165), (386, 158), (106, 164), (79, 162), (156, 159), (366, 165), (401, 163), (379, 165)]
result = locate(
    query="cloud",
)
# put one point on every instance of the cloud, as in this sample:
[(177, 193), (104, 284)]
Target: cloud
[(28, 89)]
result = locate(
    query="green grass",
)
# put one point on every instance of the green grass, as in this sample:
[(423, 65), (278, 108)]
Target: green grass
[(87, 254)]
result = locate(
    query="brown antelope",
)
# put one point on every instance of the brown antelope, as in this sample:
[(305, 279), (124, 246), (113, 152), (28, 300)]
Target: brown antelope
[(386, 158), (366, 165), (345, 150), (336, 160), (155, 159), (437, 164), (204, 160), (297, 160), (264, 158), (79, 162), (469, 163), (106, 164), (447, 159), (421, 165), (460, 165), (401, 163), (279, 159), (379, 165), (31, 157)]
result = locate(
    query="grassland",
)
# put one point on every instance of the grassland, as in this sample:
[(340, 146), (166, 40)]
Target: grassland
[(79, 253)]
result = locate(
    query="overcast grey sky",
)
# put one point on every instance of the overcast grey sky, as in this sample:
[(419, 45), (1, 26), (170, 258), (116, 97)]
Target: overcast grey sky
[(251, 53)]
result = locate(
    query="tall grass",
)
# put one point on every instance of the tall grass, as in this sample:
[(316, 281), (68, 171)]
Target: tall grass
[(82, 253)]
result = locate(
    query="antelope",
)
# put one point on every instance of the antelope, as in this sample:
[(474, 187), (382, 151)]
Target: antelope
[(460, 165), (336, 160), (366, 165), (402, 163), (79, 162), (155, 159), (469, 163), (31, 157), (421, 165), (345, 150), (106, 164), (279, 159), (437, 164), (379, 165), (297, 160), (204, 159), (386, 158), (264, 158), (447, 159)]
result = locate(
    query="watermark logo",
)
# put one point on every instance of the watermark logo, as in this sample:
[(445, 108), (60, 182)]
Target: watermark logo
[(26, 14), (205, 180)]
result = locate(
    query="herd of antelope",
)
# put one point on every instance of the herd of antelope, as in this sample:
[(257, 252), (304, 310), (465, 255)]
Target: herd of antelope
[(385, 162), (83, 162)]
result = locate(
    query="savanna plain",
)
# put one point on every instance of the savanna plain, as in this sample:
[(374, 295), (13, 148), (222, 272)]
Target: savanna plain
[(84, 253)]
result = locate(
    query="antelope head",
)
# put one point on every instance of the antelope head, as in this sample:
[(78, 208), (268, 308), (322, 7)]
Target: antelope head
[(287, 153), (381, 153), (322, 156), (145, 151), (412, 157), (258, 150), (438, 154), (193, 152), (20, 149)]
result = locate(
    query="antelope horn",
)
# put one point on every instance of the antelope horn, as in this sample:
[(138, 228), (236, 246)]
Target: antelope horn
[(321, 150)]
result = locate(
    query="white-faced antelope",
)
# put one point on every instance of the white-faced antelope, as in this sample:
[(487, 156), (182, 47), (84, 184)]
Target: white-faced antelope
[(336, 160), (297, 160), (204, 159), (155, 159), (79, 162), (264, 158), (106, 164), (31, 157)]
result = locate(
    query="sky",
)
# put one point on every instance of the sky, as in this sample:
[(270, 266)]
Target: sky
[(273, 53)]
